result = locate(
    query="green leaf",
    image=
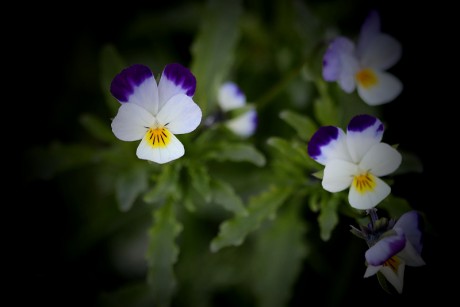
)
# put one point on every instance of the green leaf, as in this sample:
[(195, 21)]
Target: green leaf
[(111, 63), (99, 129), (213, 48), (237, 152), (277, 259), (167, 184), (395, 206), (260, 208), (410, 164), (224, 195), (328, 217), (200, 179), (304, 126), (324, 109), (129, 185), (162, 254), (292, 151)]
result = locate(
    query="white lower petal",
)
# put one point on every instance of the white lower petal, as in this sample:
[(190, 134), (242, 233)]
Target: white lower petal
[(371, 270), (369, 197), (160, 154), (131, 122), (385, 89), (338, 175), (381, 160), (396, 279), (180, 114)]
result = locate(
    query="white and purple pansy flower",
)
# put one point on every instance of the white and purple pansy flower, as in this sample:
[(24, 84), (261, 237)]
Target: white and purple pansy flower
[(230, 98), (396, 248), (154, 113), (364, 65), (355, 160)]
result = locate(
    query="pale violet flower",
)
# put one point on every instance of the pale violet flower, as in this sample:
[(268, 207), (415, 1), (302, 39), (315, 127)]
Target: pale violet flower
[(154, 113), (355, 160), (395, 248), (230, 98), (364, 65)]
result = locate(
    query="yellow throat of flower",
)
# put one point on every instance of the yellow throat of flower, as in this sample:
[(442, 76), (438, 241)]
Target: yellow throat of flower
[(158, 137), (393, 263), (364, 183), (366, 77)]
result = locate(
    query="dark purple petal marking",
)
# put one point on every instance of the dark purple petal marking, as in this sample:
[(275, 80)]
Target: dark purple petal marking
[(322, 137), (181, 76), (410, 223), (385, 249), (124, 84), (361, 122)]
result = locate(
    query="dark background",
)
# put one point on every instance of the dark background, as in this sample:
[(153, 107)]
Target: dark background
[(55, 76)]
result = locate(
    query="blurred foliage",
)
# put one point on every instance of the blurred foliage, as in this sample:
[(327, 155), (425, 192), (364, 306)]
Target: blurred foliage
[(235, 222)]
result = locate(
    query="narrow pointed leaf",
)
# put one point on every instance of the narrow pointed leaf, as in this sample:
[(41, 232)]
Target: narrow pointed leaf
[(224, 195), (129, 185), (237, 152), (328, 217), (303, 125)]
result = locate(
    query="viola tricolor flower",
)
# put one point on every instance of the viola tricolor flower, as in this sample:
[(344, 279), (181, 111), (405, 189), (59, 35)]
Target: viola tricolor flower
[(364, 66), (230, 98), (395, 248), (155, 113), (355, 160)]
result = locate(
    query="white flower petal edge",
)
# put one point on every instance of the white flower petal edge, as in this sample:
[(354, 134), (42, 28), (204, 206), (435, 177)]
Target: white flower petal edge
[(338, 175), (363, 132), (327, 144), (173, 150), (396, 279), (370, 198), (409, 223), (382, 52), (385, 88), (381, 160), (244, 125), (180, 114), (230, 97), (131, 121)]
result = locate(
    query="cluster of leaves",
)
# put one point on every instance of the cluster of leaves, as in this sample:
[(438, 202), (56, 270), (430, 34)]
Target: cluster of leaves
[(232, 213)]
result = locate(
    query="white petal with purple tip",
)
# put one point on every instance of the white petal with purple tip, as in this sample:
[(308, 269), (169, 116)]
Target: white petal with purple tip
[(180, 114), (230, 97), (131, 122), (386, 89), (173, 150), (338, 175), (175, 79), (369, 199), (328, 143), (363, 132)]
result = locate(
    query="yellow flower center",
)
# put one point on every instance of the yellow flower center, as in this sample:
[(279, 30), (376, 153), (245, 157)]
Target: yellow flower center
[(366, 77), (393, 263), (364, 183), (158, 137)]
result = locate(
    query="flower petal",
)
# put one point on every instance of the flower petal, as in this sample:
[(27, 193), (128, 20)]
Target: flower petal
[(371, 270), (338, 175), (409, 222), (175, 79), (382, 52), (328, 143), (245, 124), (396, 279), (383, 89), (369, 30), (160, 154), (381, 160), (180, 114), (131, 122), (363, 132), (385, 248), (370, 197), (136, 84), (230, 96)]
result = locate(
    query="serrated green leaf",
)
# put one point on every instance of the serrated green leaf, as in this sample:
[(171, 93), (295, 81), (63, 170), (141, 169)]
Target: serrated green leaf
[(237, 152), (129, 185), (200, 179), (224, 195), (328, 217), (292, 151), (111, 63), (166, 184), (97, 128), (213, 48), (162, 254), (260, 208), (277, 259), (304, 126)]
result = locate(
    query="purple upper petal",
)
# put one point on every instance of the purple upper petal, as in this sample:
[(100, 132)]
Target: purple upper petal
[(340, 49), (124, 84), (321, 138), (363, 122), (181, 77), (385, 249), (409, 222)]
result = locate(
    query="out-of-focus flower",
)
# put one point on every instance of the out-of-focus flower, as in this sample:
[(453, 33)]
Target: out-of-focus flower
[(231, 98), (393, 246), (364, 66), (155, 113), (355, 160)]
